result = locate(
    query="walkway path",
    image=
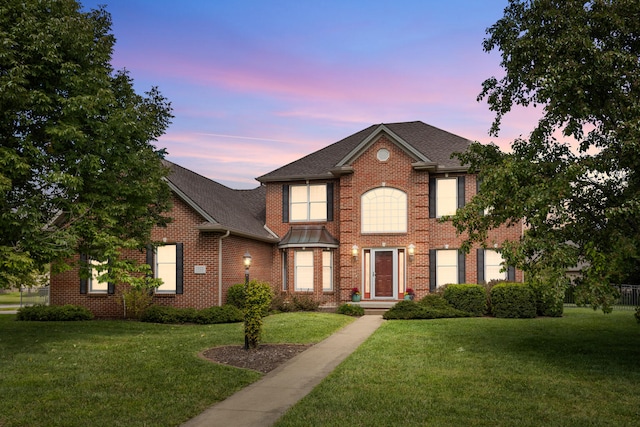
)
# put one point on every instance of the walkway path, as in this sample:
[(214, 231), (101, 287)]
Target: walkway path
[(263, 402)]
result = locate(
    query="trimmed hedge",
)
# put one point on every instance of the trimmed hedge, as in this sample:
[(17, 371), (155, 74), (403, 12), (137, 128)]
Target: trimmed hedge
[(46, 313), (513, 300), (164, 314), (350, 310), (409, 309), (467, 297)]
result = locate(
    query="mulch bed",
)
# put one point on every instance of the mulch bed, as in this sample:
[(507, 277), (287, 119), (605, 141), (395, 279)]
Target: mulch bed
[(263, 359)]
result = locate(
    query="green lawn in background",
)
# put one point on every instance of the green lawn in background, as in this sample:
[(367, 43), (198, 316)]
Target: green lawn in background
[(124, 373), (10, 298), (582, 369)]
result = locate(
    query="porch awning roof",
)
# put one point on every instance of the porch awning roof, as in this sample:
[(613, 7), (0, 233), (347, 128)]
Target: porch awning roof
[(308, 236)]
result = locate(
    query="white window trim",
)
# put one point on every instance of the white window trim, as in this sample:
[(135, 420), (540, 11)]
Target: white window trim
[(95, 286), (167, 287), (327, 272), (308, 204), (439, 280), (379, 221), (298, 267), (442, 210)]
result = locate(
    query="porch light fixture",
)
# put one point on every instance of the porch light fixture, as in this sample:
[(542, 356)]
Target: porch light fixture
[(354, 251), (412, 250)]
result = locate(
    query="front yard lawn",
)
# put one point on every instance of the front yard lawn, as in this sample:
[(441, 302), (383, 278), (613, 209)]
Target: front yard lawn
[(582, 369), (122, 373)]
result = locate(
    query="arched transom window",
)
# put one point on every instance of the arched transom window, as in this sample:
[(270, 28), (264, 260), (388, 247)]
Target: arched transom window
[(384, 210)]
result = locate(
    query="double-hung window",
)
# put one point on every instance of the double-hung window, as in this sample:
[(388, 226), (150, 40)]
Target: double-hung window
[(303, 261), (308, 202), (446, 266), (95, 284), (167, 264), (446, 195), (491, 266)]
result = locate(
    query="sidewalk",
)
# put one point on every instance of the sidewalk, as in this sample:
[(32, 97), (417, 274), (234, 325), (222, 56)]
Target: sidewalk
[(263, 402), (9, 308)]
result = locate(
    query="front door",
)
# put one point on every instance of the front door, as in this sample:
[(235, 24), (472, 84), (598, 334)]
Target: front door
[(382, 274)]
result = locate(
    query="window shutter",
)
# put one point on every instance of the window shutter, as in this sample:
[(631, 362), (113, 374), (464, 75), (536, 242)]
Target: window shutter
[(480, 265), (285, 203), (329, 201), (432, 197), (511, 273), (432, 270), (149, 259), (460, 191), (84, 283), (179, 269), (111, 287), (462, 270)]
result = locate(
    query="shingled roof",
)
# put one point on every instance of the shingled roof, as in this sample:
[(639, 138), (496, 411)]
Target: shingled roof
[(242, 212), (430, 147)]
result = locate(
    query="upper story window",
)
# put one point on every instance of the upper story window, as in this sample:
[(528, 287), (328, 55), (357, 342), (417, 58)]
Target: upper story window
[(384, 210), (309, 202), (446, 195)]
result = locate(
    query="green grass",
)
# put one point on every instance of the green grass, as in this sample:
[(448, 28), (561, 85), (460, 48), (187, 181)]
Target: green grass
[(579, 370), (121, 373), (10, 298)]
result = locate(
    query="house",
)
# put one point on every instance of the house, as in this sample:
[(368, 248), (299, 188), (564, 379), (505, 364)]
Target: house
[(362, 212)]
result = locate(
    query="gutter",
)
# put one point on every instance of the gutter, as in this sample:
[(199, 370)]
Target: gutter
[(220, 266)]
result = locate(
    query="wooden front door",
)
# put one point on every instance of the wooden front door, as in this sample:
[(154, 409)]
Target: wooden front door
[(383, 274)]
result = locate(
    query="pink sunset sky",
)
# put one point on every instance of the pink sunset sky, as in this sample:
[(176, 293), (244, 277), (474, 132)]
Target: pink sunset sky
[(257, 84)]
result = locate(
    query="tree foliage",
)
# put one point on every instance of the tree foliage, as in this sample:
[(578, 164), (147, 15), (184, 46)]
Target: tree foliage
[(579, 62), (78, 168)]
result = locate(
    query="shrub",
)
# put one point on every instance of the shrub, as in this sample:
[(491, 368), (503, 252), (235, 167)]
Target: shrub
[(225, 314), (287, 303), (467, 297), (136, 301), (44, 313), (487, 288), (350, 310), (256, 305), (435, 300), (235, 295), (513, 300), (549, 287), (409, 309), (637, 314), (164, 314)]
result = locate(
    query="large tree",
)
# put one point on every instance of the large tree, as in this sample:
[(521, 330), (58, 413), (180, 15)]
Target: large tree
[(78, 168), (576, 179)]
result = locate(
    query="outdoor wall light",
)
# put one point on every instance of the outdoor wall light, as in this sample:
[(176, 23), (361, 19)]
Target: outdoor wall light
[(246, 260), (412, 250), (354, 251)]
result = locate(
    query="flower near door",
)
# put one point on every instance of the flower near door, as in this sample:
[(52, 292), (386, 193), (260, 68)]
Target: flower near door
[(409, 294), (355, 294)]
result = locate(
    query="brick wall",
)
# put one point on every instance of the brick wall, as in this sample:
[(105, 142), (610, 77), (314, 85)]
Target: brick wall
[(199, 249)]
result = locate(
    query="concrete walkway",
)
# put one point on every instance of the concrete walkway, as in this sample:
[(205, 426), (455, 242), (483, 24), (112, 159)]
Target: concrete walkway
[(263, 402)]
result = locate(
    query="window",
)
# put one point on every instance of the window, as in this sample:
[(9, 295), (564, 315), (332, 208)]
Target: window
[(384, 210), (167, 264), (446, 267), (303, 261), (327, 271), (308, 202), (95, 285), (492, 266), (166, 268), (446, 195), (285, 270)]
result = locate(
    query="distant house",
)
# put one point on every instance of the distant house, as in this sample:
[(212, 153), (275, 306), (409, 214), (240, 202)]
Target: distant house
[(360, 213)]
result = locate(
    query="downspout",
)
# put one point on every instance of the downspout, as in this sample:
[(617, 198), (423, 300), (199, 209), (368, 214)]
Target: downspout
[(220, 266)]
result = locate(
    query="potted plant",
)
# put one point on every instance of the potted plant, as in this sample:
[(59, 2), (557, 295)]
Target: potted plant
[(409, 294), (355, 294)]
